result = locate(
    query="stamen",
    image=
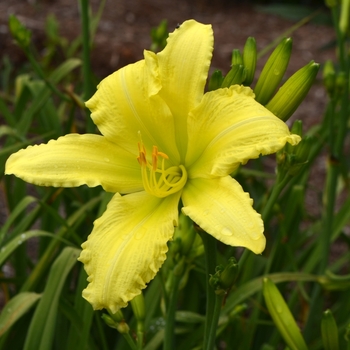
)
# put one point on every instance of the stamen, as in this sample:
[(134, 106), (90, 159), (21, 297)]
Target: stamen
[(160, 182)]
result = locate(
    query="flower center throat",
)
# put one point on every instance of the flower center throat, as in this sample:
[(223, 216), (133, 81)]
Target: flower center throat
[(160, 181)]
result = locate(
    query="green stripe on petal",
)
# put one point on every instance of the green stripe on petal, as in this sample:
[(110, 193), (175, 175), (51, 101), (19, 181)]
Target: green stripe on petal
[(127, 247), (126, 103), (183, 70), (228, 128), (221, 208), (75, 160)]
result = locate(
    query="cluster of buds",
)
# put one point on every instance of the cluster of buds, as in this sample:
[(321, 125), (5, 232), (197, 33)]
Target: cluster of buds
[(291, 159), (334, 82), (225, 277), (290, 95)]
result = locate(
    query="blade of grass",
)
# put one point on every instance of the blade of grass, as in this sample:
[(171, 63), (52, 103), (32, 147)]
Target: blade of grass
[(42, 328), (15, 308)]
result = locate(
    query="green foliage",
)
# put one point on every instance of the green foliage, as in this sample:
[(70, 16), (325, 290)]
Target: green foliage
[(262, 306)]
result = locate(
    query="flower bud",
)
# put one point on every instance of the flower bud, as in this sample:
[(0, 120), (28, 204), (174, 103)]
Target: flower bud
[(113, 321), (292, 159), (224, 277), (282, 317), (329, 331), (273, 71), (215, 80), (19, 32), (340, 83), (331, 3), (159, 36), (249, 60), (235, 76), (236, 58), (293, 91), (344, 17), (328, 76)]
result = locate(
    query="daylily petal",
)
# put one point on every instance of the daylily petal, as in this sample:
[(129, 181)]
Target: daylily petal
[(228, 128), (221, 208), (183, 70), (126, 104), (75, 160), (127, 247)]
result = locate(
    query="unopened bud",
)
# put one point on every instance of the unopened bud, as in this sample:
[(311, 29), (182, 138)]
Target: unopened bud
[(328, 76), (121, 326), (273, 71), (329, 331), (224, 277), (249, 60), (293, 91), (215, 80), (340, 83), (159, 36), (20, 33), (236, 58), (282, 317), (331, 3), (344, 17), (235, 76)]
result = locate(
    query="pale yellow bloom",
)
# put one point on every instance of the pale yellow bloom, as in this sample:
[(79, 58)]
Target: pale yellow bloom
[(162, 140)]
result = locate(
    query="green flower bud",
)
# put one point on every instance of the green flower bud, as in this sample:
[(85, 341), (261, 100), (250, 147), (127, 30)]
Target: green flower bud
[(236, 58), (292, 159), (273, 71), (331, 3), (229, 274), (344, 17), (224, 277), (19, 32), (297, 128), (329, 331), (235, 76), (282, 317), (340, 83), (293, 91), (159, 36), (121, 326), (249, 60), (215, 80), (329, 77)]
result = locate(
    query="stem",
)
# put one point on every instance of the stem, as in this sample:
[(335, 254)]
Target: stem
[(41, 74), (209, 345), (88, 87), (209, 243), (280, 184), (130, 341), (170, 315)]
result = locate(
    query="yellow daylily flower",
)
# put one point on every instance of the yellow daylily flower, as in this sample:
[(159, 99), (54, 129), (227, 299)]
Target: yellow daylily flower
[(162, 139)]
